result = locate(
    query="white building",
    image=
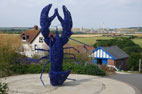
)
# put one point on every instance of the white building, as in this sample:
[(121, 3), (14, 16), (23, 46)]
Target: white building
[(30, 40)]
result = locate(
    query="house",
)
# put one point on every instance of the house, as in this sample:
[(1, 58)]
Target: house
[(111, 56), (31, 39)]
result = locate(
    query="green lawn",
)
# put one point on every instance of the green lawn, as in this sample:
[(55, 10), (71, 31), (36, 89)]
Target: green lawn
[(138, 41), (91, 40), (87, 40)]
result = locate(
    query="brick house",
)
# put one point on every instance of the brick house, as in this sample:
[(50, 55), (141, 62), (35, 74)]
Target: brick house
[(110, 56)]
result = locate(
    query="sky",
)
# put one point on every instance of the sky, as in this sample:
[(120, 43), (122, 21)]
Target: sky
[(85, 13)]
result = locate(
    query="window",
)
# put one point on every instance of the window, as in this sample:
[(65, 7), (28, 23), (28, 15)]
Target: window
[(24, 37), (40, 39)]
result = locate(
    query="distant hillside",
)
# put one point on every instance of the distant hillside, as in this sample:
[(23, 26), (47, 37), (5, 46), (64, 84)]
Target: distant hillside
[(19, 30), (13, 30), (131, 29)]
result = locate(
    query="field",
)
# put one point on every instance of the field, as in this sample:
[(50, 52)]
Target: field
[(87, 39), (90, 39), (9, 43), (138, 35), (10, 39), (14, 39), (138, 41)]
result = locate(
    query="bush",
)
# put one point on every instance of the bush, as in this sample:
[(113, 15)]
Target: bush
[(92, 69), (134, 61), (21, 69), (29, 68), (82, 68), (34, 68), (13, 63), (37, 68), (89, 69), (3, 88), (7, 57)]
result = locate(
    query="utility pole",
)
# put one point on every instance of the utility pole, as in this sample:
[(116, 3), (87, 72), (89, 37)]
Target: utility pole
[(56, 26), (139, 65)]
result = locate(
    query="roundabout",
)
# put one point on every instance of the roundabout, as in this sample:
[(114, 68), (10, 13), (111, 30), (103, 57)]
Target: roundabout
[(78, 84)]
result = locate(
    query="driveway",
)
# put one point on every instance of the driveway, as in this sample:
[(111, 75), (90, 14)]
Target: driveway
[(133, 79)]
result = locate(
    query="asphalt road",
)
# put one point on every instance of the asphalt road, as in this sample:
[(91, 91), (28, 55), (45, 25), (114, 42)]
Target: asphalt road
[(135, 80)]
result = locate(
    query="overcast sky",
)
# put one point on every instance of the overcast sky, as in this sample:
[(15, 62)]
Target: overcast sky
[(85, 13)]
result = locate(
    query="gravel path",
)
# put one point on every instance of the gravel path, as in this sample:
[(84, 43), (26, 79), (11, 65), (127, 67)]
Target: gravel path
[(134, 80)]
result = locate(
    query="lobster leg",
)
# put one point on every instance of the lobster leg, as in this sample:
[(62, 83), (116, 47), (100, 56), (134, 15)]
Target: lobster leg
[(71, 57), (42, 73), (71, 79), (42, 50), (37, 60)]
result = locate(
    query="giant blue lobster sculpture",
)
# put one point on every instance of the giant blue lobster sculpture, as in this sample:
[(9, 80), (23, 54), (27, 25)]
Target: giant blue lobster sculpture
[(56, 54)]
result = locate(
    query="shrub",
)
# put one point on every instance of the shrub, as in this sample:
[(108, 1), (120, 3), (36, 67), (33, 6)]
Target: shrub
[(34, 68), (13, 63), (8, 55), (82, 68), (89, 69), (37, 68), (3, 88), (92, 69), (19, 69), (29, 68), (134, 61)]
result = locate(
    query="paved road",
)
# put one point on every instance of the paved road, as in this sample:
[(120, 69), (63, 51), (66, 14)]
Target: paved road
[(134, 80), (84, 84)]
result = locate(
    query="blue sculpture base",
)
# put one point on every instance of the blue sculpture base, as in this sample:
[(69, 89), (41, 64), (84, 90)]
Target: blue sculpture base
[(58, 78)]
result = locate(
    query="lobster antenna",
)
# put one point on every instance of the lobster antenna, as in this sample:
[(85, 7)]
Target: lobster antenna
[(79, 42)]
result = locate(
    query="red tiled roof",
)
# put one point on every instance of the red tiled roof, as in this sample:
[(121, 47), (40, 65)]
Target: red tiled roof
[(81, 48), (84, 48), (32, 34)]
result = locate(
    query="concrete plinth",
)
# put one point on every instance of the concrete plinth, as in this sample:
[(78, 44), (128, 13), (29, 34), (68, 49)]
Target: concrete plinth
[(82, 84)]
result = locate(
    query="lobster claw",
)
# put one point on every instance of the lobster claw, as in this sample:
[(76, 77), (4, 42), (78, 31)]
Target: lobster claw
[(66, 24), (45, 20)]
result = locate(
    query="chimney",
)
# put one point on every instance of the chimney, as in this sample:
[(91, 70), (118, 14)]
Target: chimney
[(35, 27)]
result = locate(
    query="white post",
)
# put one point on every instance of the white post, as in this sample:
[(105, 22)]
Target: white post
[(139, 65)]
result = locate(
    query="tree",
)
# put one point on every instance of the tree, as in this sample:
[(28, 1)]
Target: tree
[(134, 61)]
